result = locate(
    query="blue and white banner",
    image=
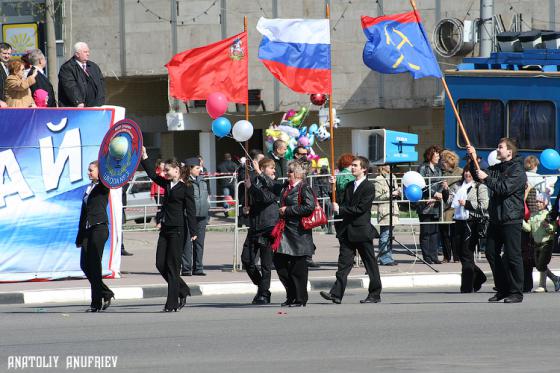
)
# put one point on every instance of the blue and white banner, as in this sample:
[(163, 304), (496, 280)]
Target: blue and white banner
[(44, 156)]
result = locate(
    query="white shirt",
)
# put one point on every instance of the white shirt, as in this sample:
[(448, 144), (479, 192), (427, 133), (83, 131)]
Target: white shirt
[(173, 183), (89, 189), (358, 182)]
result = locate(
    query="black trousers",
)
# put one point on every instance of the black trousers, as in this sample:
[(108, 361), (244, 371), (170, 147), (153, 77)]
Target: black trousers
[(429, 238), (507, 268), (90, 262), (293, 272), (450, 250), (465, 240), (168, 263), (346, 261), (258, 245), (543, 255)]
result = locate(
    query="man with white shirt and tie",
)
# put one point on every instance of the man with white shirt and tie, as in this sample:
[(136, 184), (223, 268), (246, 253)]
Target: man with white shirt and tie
[(39, 62), (355, 232), (80, 81), (5, 56)]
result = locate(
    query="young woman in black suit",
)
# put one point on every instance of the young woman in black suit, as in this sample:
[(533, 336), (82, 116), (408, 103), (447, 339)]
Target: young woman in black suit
[(93, 232), (179, 202)]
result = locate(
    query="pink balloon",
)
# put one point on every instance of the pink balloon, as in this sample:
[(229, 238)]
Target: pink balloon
[(303, 141), (290, 113), (216, 104)]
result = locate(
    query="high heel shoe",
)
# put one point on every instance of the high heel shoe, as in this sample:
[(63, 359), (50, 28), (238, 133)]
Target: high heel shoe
[(107, 302), (170, 310), (182, 302)]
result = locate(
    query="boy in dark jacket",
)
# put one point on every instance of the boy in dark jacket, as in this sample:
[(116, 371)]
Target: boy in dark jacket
[(506, 182), (263, 216)]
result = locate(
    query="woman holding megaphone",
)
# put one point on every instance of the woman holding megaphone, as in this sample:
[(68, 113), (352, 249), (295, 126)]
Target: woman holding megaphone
[(180, 199)]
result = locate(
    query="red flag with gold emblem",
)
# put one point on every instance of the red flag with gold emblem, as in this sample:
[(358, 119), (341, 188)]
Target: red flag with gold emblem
[(218, 67)]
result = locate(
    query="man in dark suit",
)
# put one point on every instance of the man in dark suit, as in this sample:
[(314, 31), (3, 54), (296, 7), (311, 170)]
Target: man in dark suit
[(80, 82), (5, 56), (355, 232), (39, 62), (93, 232)]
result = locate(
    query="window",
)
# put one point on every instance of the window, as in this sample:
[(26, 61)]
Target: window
[(532, 124), (483, 121)]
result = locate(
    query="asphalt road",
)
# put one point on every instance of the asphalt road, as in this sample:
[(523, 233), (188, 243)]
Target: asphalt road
[(421, 331)]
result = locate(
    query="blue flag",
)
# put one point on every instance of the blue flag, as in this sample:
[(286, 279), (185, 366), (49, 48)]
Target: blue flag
[(398, 43)]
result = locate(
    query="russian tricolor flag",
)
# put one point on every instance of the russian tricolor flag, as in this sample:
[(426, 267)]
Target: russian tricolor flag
[(297, 52)]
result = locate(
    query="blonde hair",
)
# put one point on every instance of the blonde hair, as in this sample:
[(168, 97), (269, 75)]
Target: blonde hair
[(299, 169), (531, 162), (450, 157)]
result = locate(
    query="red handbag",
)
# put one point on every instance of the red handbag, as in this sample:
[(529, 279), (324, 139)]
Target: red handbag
[(317, 217)]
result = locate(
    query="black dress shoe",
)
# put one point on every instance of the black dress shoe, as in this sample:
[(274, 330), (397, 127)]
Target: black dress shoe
[(436, 262), (478, 283), (262, 300), (93, 309), (126, 253), (182, 302), (170, 310), (199, 274), (514, 299), (298, 304), (186, 273), (107, 302), (497, 297), (287, 303), (371, 299), (312, 264), (329, 296)]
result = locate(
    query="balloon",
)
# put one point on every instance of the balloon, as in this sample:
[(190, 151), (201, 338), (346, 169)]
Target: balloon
[(413, 177), (318, 99), (291, 131), (550, 159), (493, 158), (313, 129), (303, 131), (303, 141), (229, 200), (323, 133), (221, 127), (298, 118), (284, 137), (290, 113), (242, 130), (311, 140), (413, 193), (216, 104)]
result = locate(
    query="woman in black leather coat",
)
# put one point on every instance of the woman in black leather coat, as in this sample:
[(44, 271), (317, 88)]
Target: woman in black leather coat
[(297, 200)]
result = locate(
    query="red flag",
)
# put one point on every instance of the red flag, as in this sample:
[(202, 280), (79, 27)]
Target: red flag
[(219, 67)]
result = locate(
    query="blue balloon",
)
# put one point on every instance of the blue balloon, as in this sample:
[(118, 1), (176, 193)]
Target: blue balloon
[(413, 193), (303, 131), (313, 129), (221, 127), (550, 159)]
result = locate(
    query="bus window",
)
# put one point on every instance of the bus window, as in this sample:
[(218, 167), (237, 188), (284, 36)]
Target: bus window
[(483, 121), (533, 124)]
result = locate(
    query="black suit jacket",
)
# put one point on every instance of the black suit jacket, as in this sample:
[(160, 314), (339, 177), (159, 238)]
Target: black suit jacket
[(355, 212), (94, 211), (3, 78), (73, 82), (42, 82), (179, 200)]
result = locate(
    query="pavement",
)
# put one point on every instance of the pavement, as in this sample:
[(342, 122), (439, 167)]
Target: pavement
[(140, 279), (425, 330)]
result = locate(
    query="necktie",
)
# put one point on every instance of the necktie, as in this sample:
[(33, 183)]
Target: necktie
[(84, 66)]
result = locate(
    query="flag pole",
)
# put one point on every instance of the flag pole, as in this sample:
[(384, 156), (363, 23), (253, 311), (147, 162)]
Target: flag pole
[(331, 120), (452, 102), (247, 160)]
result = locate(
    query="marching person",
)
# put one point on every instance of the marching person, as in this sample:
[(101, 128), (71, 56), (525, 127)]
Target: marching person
[(355, 232), (263, 216), (469, 201), (292, 243), (506, 182), (93, 232), (179, 200)]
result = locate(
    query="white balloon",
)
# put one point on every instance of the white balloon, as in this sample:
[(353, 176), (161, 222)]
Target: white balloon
[(493, 158), (413, 177), (242, 130)]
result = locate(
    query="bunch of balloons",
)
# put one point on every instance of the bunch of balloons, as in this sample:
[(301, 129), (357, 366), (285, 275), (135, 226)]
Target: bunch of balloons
[(413, 184), (216, 106)]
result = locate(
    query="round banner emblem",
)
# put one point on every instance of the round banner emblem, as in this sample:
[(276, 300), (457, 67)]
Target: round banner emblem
[(120, 153)]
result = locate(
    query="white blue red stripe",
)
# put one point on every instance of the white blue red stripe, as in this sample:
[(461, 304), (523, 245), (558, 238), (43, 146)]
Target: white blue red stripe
[(297, 52)]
